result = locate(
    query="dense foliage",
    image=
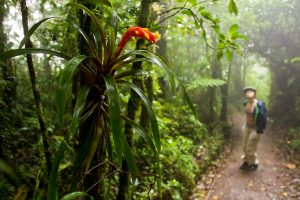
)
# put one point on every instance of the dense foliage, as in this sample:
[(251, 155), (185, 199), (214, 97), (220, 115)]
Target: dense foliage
[(135, 118)]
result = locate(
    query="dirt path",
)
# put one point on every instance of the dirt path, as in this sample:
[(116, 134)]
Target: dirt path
[(275, 178)]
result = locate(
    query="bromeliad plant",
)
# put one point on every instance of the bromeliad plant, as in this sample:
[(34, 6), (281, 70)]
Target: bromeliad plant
[(97, 111)]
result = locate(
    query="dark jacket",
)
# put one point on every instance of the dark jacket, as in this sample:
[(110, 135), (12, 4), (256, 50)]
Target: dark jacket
[(260, 116)]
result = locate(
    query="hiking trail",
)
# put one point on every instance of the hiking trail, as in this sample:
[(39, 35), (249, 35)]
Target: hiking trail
[(276, 178)]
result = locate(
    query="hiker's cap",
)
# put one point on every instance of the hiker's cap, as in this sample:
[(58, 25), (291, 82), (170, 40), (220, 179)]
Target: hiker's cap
[(249, 88)]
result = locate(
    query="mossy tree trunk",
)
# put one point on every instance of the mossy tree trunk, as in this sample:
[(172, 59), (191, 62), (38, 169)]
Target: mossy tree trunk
[(133, 104), (215, 74), (8, 74)]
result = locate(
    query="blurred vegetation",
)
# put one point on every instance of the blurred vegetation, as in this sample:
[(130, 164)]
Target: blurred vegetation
[(212, 52)]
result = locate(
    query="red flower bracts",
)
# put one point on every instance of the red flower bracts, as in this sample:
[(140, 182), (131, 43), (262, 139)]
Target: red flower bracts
[(139, 32)]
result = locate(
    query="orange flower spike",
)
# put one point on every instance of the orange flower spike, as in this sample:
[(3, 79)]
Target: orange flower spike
[(137, 31)]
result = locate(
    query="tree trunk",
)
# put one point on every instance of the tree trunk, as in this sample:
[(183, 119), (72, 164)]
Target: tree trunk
[(35, 89), (162, 51), (285, 92), (10, 90), (133, 105), (238, 76), (224, 96), (215, 74), (226, 129), (144, 118), (98, 128)]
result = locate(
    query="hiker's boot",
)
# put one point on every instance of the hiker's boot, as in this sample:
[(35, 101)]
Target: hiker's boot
[(244, 166), (252, 167)]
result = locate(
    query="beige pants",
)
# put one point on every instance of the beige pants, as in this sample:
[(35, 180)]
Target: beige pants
[(250, 141)]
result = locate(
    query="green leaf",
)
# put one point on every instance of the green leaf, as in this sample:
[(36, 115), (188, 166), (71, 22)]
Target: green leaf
[(82, 155), (192, 1), (128, 156), (232, 7), (6, 169), (155, 59), (90, 44), (296, 59), (37, 25), (188, 100), (153, 121), (52, 186), (14, 2), (220, 54), (107, 191), (239, 36), (115, 116), (207, 15), (143, 133), (228, 55), (121, 63), (79, 107), (19, 52), (205, 82), (99, 132), (204, 34), (98, 23), (32, 30), (186, 12), (120, 143), (76, 195), (233, 29), (106, 2), (53, 179), (133, 72), (65, 82)]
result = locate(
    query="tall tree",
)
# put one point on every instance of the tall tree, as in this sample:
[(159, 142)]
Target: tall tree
[(215, 74), (35, 89), (276, 38), (10, 89), (134, 102)]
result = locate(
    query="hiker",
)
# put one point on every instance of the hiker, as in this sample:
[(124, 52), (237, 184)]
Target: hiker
[(256, 119)]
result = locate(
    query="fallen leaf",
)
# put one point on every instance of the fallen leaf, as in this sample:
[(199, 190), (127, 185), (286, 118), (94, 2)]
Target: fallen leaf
[(215, 197), (290, 165), (203, 194), (250, 184), (285, 194)]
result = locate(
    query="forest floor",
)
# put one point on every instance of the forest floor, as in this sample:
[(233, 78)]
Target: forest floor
[(276, 177)]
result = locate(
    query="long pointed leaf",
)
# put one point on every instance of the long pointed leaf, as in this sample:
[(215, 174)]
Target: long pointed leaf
[(120, 142), (80, 30), (188, 100), (90, 44), (78, 165), (76, 195), (98, 133), (154, 126), (32, 30), (143, 133), (96, 21), (65, 82), (52, 186), (115, 116), (155, 59), (133, 72), (19, 52), (80, 102), (128, 155)]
